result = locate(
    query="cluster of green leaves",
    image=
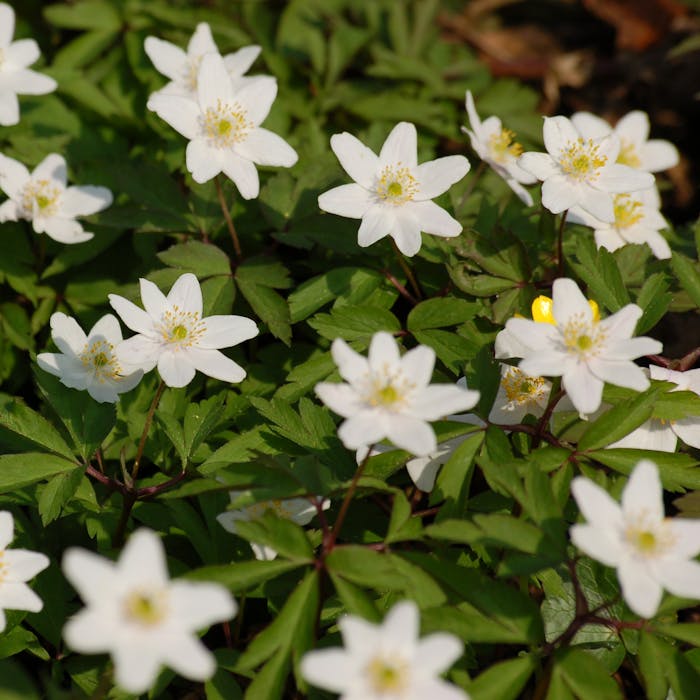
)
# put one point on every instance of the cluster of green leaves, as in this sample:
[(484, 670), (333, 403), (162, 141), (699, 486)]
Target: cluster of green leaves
[(485, 554)]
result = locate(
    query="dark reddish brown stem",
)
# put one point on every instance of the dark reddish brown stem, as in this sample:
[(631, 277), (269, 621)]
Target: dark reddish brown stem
[(229, 221), (400, 288)]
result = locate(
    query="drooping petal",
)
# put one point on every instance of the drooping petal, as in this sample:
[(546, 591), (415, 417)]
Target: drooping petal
[(216, 365), (650, 435), (83, 200), (423, 471), (433, 219), (411, 434), (609, 239), (243, 173), (67, 334), (226, 331), (204, 161), (658, 244), (688, 430), (657, 155), (53, 167), (66, 231), (400, 147), (358, 161), (153, 300), (362, 429), (558, 134), (351, 365), (186, 294), (584, 389), (437, 176), (267, 148), (175, 368), (639, 589), (168, 59), (597, 543), (643, 492), (214, 86), (351, 201), (180, 112), (9, 108), (377, 222)]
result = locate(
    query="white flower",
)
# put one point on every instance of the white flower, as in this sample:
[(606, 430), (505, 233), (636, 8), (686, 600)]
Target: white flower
[(43, 198), (392, 192), (636, 150), (138, 615), (637, 220), (182, 67), (388, 396), (15, 76), (88, 362), (386, 661), (581, 350), (656, 434), (16, 567), (497, 146), (298, 510), (649, 551), (581, 171), (173, 335), (223, 127), (518, 396)]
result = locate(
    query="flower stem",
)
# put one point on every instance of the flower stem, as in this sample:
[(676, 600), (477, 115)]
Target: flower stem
[(400, 288), (560, 245), (229, 220), (480, 170), (407, 271), (146, 428)]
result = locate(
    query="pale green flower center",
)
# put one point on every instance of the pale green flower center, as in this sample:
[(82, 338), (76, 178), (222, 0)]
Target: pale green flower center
[(388, 675), (226, 124), (503, 146), (388, 388), (99, 358), (396, 184), (520, 388), (40, 198), (581, 160), (627, 211), (583, 337), (648, 537), (628, 154), (146, 608), (257, 510), (181, 329)]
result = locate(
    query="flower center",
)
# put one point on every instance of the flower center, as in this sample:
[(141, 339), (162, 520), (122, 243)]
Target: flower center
[(503, 146), (647, 536), (583, 337), (388, 389), (628, 154), (226, 124), (181, 329), (581, 161), (387, 675), (146, 608), (520, 388), (396, 184), (628, 211), (40, 198), (99, 358), (257, 510)]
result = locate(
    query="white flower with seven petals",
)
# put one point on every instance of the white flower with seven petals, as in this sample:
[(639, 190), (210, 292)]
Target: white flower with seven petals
[(223, 127), (88, 361), (299, 510), (637, 221), (16, 567), (43, 198), (387, 661), (497, 146), (173, 336), (388, 396), (583, 351), (138, 615), (662, 435), (650, 552), (15, 76), (636, 149), (581, 171), (392, 193), (182, 67)]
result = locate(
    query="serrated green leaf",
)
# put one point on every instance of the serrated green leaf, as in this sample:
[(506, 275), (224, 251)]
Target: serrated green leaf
[(243, 575), (202, 259), (354, 323), (688, 275), (29, 467), (440, 312), (503, 680)]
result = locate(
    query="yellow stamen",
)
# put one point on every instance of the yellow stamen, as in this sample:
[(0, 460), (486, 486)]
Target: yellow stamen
[(226, 124), (503, 146), (396, 184), (628, 154), (581, 160), (627, 211), (387, 676), (145, 608)]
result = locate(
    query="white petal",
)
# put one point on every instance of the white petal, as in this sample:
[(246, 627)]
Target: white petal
[(215, 364), (406, 233), (590, 126), (181, 113), (558, 134), (67, 334), (243, 173), (9, 108), (474, 120), (199, 605), (558, 194), (90, 574), (514, 184), (153, 300), (340, 398), (411, 434), (138, 352), (439, 400), (257, 97), (362, 429), (143, 559), (418, 364), (135, 667), (623, 322), (597, 543), (437, 176), (7, 525), (213, 82), (400, 146), (23, 564), (88, 633), (682, 578), (189, 657), (633, 127), (133, 316), (533, 335), (384, 352), (186, 294), (619, 179), (541, 165), (28, 82), (358, 161), (597, 203), (596, 504), (19, 596), (13, 176), (437, 652), (609, 239), (53, 167), (643, 492), (226, 331), (433, 219), (657, 155), (686, 534), (203, 160), (688, 430), (168, 59), (103, 392), (651, 435), (201, 41), (66, 231), (7, 24), (423, 470), (584, 389), (84, 200), (619, 373), (332, 669), (351, 365), (568, 301), (175, 368), (437, 689), (67, 367), (240, 61), (377, 222), (267, 148), (658, 244), (639, 589), (402, 623), (351, 201)]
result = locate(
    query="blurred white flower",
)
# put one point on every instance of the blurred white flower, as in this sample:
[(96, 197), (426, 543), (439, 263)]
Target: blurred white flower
[(581, 171), (387, 661), (15, 76), (43, 198), (173, 335), (497, 146), (223, 127), (16, 567), (388, 396), (138, 615), (88, 362), (649, 551), (298, 510), (657, 434), (637, 220), (584, 352), (182, 67), (392, 193), (636, 149), (519, 395)]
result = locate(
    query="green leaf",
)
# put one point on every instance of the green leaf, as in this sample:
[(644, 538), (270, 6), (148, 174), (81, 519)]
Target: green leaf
[(688, 275), (659, 660), (284, 536), (619, 421), (354, 323), (243, 575), (269, 306), (268, 682), (57, 493), (29, 467), (88, 14), (689, 633), (355, 600), (200, 420), (440, 312), (264, 271), (583, 676), (222, 686), (364, 567), (503, 680), (454, 479), (452, 348), (202, 259), (598, 269), (654, 300)]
